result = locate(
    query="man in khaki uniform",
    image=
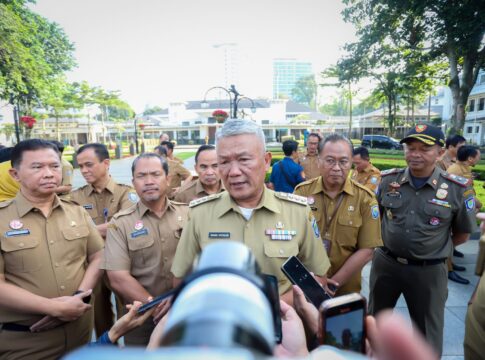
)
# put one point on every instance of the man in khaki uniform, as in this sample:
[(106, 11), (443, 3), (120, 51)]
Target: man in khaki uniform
[(424, 211), (49, 261), (170, 146), (177, 173), (141, 240), (364, 172), (273, 225), (452, 144), (475, 317), (209, 181), (67, 171), (346, 212), (102, 197), (309, 161)]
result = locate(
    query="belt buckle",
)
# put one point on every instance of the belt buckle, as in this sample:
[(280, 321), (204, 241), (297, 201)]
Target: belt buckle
[(402, 260)]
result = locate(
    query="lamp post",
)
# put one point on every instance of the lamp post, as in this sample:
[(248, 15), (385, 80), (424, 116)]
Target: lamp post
[(234, 98), (136, 136)]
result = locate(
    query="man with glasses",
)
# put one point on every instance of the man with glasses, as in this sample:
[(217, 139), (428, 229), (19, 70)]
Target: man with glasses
[(309, 161), (346, 212)]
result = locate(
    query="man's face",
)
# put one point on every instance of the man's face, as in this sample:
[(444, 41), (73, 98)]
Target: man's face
[(164, 137), (476, 159), (40, 172), (169, 151), (312, 145), (149, 179), (91, 168), (421, 157), (359, 163), (207, 168), (243, 165), (453, 150), (335, 162)]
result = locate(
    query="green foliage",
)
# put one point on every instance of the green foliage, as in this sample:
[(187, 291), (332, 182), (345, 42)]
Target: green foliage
[(152, 110), (305, 90)]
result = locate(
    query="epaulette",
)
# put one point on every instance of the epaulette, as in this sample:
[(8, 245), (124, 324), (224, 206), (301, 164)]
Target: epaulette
[(391, 171), (370, 192), (302, 200), (124, 212), (177, 203), (67, 199), (5, 203), (204, 199), (306, 182), (460, 180), (125, 185)]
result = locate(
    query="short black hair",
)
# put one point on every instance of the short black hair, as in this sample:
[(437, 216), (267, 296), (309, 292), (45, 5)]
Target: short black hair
[(362, 151), (466, 151), (201, 149), (289, 146), (454, 140), (59, 145), (161, 150), (30, 145), (317, 135), (100, 150), (148, 156), (168, 144)]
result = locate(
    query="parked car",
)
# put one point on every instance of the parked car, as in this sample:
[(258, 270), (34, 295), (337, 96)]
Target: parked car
[(381, 142)]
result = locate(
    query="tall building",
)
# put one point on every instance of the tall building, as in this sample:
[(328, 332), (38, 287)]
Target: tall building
[(228, 63), (286, 72)]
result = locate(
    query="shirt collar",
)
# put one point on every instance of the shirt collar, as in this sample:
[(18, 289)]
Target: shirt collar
[(143, 209), (110, 186), (200, 189), (432, 180), (348, 187), (267, 201), (24, 206)]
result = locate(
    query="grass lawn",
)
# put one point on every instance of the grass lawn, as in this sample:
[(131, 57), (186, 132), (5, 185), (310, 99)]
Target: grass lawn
[(185, 155)]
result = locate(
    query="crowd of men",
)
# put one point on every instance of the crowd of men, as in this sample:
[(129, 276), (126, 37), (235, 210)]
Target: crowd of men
[(64, 252)]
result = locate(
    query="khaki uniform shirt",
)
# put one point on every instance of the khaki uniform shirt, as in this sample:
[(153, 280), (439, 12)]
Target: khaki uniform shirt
[(356, 224), (144, 244), (8, 186), (461, 169), (179, 160), (370, 177), (102, 206), (417, 223), (310, 166), (177, 172), (67, 171), (193, 190), (45, 256), (445, 161), (217, 217)]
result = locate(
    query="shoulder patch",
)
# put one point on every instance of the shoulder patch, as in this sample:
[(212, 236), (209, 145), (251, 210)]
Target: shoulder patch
[(133, 197), (68, 199), (391, 171), (460, 180), (5, 203), (124, 212), (302, 200), (306, 183), (360, 186), (204, 199)]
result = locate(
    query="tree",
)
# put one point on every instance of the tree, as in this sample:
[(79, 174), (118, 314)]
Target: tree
[(438, 31), (305, 91), (153, 110)]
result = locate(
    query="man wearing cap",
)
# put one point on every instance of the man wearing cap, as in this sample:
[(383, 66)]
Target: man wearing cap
[(425, 211)]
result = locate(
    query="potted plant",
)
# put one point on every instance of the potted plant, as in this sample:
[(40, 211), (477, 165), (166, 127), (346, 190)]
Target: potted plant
[(28, 123), (220, 116)]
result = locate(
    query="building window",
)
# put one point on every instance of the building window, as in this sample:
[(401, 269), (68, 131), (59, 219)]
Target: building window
[(469, 129), (436, 101), (477, 129), (471, 105), (482, 79), (481, 104)]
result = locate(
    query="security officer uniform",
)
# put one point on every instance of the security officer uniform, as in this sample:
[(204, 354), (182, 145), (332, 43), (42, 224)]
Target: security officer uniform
[(101, 207), (370, 177), (280, 226), (140, 242), (416, 231), (310, 165), (475, 317), (355, 223), (67, 171), (47, 257), (177, 173), (193, 190)]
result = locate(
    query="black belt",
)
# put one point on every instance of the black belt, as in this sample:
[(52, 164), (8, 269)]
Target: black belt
[(406, 261), (14, 327)]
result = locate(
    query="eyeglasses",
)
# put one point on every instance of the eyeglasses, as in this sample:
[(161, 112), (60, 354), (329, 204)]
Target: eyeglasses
[(330, 163)]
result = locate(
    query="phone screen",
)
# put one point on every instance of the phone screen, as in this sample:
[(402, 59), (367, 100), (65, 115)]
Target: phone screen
[(299, 275), (346, 331)]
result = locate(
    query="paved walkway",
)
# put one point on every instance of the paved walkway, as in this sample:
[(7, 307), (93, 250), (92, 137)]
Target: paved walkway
[(458, 295)]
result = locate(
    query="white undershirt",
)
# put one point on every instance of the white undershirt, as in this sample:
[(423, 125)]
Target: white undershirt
[(247, 213)]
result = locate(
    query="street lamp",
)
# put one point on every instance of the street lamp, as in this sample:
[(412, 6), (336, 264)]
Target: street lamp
[(234, 98)]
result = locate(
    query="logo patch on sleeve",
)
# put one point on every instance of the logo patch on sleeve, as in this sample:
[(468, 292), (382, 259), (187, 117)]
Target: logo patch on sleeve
[(315, 228), (133, 197), (470, 203), (374, 210)]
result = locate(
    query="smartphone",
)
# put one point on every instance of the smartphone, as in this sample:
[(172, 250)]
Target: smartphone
[(155, 301), (342, 322), (87, 299), (299, 275), (271, 286)]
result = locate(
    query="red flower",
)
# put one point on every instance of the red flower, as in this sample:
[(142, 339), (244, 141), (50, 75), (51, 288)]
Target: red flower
[(220, 113), (142, 126), (28, 121)]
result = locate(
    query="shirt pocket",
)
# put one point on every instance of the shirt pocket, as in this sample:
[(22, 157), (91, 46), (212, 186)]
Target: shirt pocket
[(20, 253), (76, 243), (347, 230), (276, 253), (141, 250), (437, 211)]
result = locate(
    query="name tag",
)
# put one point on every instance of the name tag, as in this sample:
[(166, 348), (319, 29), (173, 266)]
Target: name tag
[(219, 235), (141, 232), (88, 206), (17, 232)]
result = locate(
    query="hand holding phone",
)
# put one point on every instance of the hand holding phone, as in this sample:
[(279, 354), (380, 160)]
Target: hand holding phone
[(155, 301)]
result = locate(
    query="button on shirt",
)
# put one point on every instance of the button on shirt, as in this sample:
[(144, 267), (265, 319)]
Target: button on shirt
[(45, 256), (292, 171), (144, 244)]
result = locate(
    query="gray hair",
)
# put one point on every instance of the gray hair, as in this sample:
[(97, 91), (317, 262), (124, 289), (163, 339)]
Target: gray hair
[(333, 138), (235, 127), (149, 155)]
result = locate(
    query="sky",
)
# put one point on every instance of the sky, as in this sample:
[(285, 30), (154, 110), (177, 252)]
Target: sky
[(161, 51)]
